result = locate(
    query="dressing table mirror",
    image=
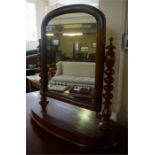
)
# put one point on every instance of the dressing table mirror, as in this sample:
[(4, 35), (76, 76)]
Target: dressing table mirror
[(73, 44), (90, 73), (70, 43)]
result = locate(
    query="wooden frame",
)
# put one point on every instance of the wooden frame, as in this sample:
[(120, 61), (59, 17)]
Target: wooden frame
[(100, 47)]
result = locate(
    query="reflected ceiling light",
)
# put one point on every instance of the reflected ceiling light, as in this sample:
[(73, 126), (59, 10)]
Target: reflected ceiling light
[(49, 34), (84, 115), (72, 34), (71, 26)]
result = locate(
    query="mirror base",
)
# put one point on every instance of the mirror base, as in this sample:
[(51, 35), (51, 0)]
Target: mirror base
[(74, 124)]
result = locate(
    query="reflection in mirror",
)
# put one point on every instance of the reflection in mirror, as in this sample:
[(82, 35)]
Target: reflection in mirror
[(71, 51)]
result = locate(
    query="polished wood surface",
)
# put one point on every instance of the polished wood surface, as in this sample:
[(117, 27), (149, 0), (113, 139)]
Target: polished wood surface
[(41, 142), (74, 124)]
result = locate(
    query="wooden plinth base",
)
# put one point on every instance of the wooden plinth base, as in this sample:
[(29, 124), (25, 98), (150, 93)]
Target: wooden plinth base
[(74, 124)]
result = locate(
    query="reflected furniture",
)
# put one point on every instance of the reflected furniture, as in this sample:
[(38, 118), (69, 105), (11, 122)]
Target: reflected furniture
[(33, 82), (32, 63), (74, 73), (66, 73), (91, 57), (80, 56), (32, 69)]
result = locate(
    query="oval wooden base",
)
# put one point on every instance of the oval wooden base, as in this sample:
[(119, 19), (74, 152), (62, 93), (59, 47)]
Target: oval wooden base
[(74, 124)]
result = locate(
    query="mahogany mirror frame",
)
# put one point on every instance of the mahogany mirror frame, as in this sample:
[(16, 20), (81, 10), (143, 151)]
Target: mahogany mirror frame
[(100, 54)]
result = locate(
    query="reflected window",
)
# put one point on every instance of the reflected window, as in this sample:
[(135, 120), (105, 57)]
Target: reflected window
[(58, 3), (31, 28)]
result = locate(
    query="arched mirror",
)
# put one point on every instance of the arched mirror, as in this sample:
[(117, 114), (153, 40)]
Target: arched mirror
[(72, 56)]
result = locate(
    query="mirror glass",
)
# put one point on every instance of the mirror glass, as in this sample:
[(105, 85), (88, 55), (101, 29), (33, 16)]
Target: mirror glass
[(71, 52)]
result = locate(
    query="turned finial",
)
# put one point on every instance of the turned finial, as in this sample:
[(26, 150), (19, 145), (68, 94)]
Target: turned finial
[(111, 46), (111, 40)]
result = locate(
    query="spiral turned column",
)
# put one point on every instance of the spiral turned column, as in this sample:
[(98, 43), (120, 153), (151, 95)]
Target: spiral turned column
[(43, 98), (108, 87)]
